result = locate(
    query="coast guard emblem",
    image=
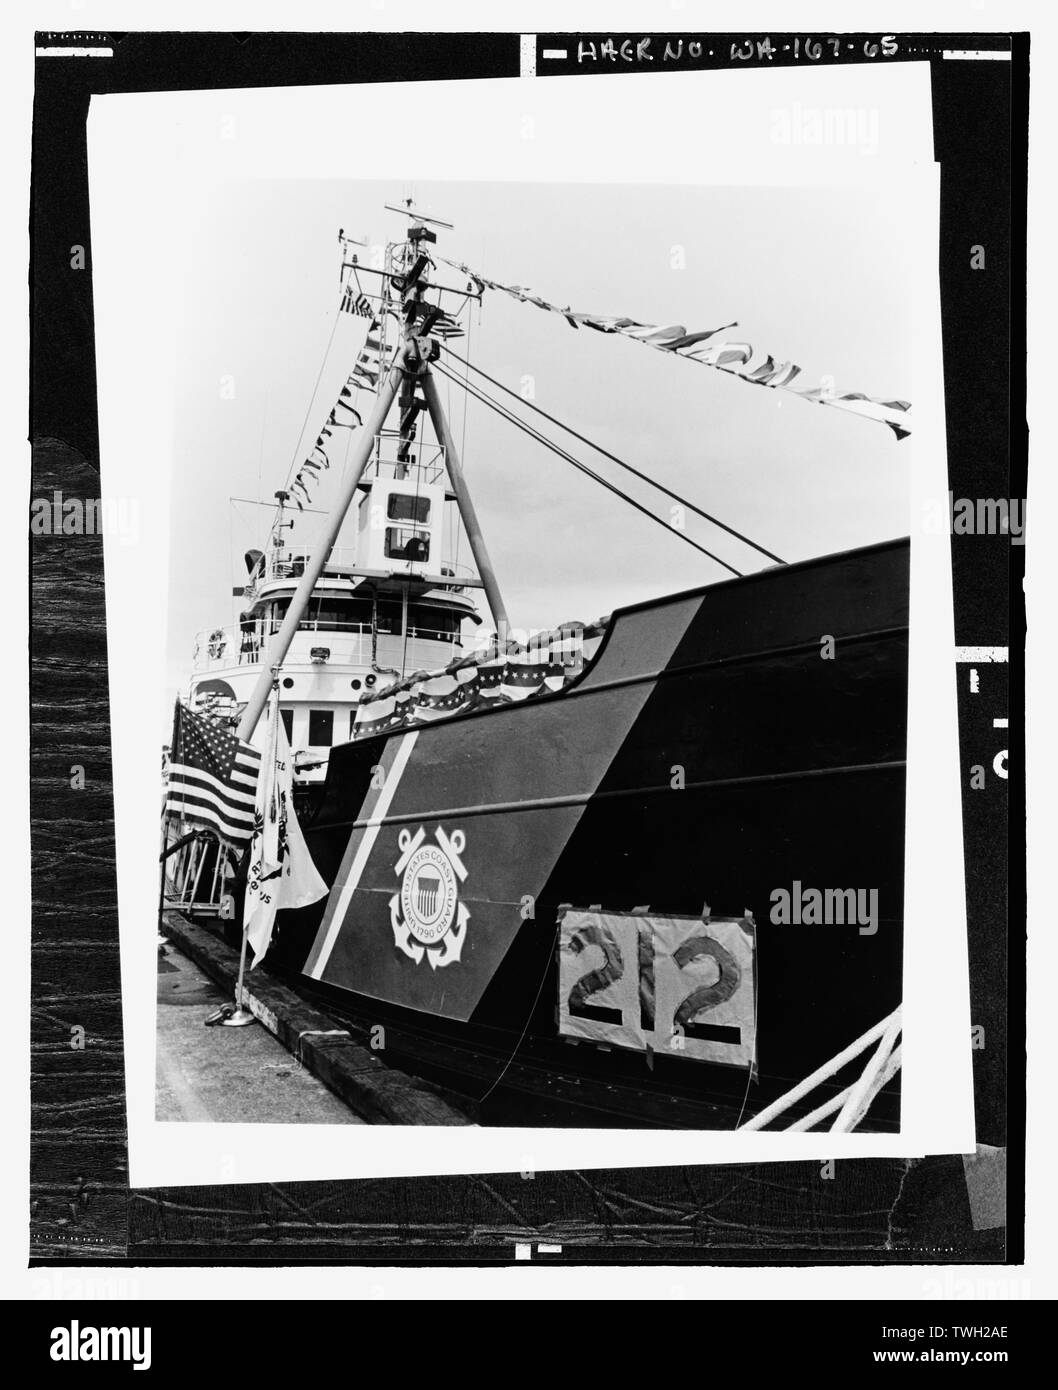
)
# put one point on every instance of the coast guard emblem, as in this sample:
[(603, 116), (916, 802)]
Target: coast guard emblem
[(426, 915)]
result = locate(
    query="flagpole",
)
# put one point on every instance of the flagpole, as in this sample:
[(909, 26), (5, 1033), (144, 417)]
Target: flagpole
[(237, 1016), (240, 1016), (167, 818), (161, 866)]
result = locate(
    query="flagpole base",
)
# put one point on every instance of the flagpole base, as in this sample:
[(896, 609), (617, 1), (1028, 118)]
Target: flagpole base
[(238, 1018), (230, 1017)]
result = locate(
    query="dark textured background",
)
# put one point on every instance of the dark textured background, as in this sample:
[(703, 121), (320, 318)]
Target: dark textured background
[(870, 1211)]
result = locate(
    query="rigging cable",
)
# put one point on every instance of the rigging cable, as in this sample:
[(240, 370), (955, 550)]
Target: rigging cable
[(535, 434), (644, 477), (312, 398), (466, 407)]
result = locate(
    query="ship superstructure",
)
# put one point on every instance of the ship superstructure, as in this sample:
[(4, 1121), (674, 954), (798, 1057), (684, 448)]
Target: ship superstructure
[(390, 605)]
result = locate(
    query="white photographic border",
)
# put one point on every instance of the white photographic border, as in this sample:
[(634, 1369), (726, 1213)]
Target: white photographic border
[(164, 147)]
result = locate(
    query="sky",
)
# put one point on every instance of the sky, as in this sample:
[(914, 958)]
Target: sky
[(815, 275)]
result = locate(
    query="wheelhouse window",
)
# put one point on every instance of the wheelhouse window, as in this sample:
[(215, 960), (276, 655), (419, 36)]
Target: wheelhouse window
[(342, 614), (321, 728), (433, 624), (404, 508), (405, 543), (287, 716), (389, 617)]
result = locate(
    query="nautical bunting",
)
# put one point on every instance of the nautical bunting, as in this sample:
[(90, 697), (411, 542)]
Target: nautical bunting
[(369, 364), (364, 376), (353, 303), (447, 327), (738, 359)]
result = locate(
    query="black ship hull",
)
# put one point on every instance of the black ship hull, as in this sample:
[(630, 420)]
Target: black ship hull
[(724, 747)]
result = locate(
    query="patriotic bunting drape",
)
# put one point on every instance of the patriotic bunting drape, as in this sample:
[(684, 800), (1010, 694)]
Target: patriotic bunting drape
[(465, 686), (737, 358), (482, 681)]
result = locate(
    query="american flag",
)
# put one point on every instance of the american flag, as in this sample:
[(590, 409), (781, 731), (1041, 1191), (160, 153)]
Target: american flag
[(353, 303), (212, 777)]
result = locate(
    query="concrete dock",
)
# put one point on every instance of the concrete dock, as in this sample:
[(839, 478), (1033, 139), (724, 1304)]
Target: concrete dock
[(228, 1074), (335, 1061)]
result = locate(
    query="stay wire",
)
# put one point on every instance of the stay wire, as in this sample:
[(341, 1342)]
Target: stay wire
[(643, 477), (535, 434), (528, 1020), (312, 398)]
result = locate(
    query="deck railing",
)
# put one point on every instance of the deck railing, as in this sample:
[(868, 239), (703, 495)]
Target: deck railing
[(349, 643), (290, 563)]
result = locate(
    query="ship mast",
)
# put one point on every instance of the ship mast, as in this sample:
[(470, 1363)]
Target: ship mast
[(410, 367), (465, 504)]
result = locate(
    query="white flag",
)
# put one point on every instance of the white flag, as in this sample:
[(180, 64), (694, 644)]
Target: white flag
[(282, 874)]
